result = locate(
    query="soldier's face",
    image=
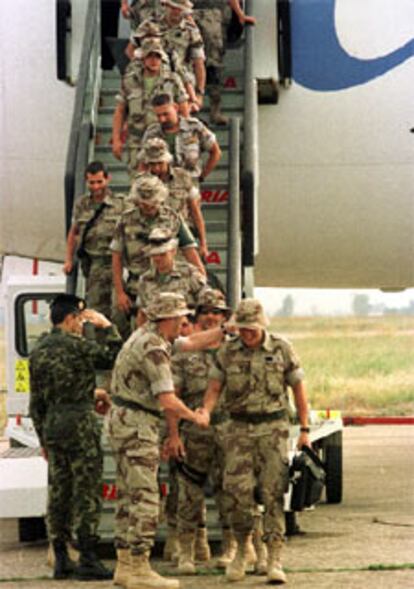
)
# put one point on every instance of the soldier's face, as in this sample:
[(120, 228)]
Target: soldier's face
[(74, 323), (167, 116), (159, 169), (252, 338), (164, 262), (171, 328), (209, 318), (97, 183), (149, 209), (174, 15), (187, 327), (152, 63)]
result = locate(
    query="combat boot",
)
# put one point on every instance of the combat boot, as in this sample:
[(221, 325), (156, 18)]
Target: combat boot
[(123, 568), (172, 545), (90, 567), (216, 116), (260, 568), (275, 572), (251, 556), (63, 567), (236, 570), (186, 564), (228, 548), (72, 552), (202, 547), (144, 577)]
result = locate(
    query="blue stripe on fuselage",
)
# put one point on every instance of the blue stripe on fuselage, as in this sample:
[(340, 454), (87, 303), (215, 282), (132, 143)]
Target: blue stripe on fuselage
[(318, 60)]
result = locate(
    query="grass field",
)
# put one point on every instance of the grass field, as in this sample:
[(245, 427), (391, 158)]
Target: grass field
[(362, 366)]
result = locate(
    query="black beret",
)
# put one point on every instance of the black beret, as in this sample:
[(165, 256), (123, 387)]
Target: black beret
[(68, 303)]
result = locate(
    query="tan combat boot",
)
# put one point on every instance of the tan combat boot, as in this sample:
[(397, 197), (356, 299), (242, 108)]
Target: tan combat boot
[(123, 568), (260, 568), (73, 555), (251, 556), (202, 547), (143, 577), (172, 545), (275, 573), (216, 116), (236, 570), (186, 564), (228, 549)]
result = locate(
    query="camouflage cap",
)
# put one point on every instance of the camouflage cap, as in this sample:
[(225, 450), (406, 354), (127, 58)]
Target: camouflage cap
[(183, 4), (152, 45), (161, 240), (147, 29), (249, 315), (166, 306), (213, 299), (155, 150), (147, 188)]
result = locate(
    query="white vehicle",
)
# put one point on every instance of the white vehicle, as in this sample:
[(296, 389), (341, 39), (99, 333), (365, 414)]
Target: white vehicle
[(326, 162)]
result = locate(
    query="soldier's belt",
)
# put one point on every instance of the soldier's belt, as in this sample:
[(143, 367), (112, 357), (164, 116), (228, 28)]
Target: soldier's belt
[(258, 417), (192, 474), (120, 402)]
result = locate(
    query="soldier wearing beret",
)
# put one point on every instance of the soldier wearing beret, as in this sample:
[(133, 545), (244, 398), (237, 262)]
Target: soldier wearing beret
[(254, 370), (142, 389), (63, 397)]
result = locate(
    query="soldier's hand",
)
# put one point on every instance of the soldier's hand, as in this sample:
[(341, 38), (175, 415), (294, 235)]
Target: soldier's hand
[(123, 302), (303, 440), (43, 452), (117, 149), (173, 448), (194, 106), (202, 417), (68, 267), (125, 10), (247, 20), (102, 401), (98, 319), (203, 249)]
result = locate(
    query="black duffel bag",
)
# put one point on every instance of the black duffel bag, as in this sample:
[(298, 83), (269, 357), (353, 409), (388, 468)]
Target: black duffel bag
[(307, 475)]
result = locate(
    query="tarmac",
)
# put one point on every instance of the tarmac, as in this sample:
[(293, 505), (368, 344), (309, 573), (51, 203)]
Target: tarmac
[(367, 541)]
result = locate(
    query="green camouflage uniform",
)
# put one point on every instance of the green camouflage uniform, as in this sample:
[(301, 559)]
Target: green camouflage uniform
[(141, 373), (98, 289), (131, 238), (203, 451), (255, 383), (62, 383), (192, 140), (137, 93), (184, 278)]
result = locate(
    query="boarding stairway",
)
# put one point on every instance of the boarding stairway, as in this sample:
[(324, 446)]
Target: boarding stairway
[(215, 190)]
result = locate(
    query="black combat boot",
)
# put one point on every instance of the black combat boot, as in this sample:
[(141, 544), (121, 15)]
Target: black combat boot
[(64, 567), (90, 567)]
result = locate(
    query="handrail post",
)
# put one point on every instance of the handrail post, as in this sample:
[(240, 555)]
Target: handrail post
[(234, 276)]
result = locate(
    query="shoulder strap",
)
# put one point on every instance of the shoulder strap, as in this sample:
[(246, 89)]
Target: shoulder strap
[(88, 226)]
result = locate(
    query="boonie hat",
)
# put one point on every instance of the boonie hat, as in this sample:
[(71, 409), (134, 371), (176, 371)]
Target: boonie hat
[(147, 29), (155, 150), (249, 315), (149, 189), (166, 306), (152, 46), (213, 299), (183, 4), (161, 240)]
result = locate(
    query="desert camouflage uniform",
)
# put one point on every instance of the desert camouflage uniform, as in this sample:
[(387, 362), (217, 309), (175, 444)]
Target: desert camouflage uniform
[(255, 383), (131, 239), (137, 98), (62, 383), (184, 278), (141, 10), (142, 371), (209, 17), (187, 145), (204, 456), (98, 290)]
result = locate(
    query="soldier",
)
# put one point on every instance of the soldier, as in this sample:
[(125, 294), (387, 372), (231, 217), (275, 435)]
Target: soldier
[(168, 274), (146, 211), (140, 10), (187, 138), (199, 452), (62, 383), (209, 17), (183, 196), (142, 388), (144, 80), (93, 222), (255, 370)]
